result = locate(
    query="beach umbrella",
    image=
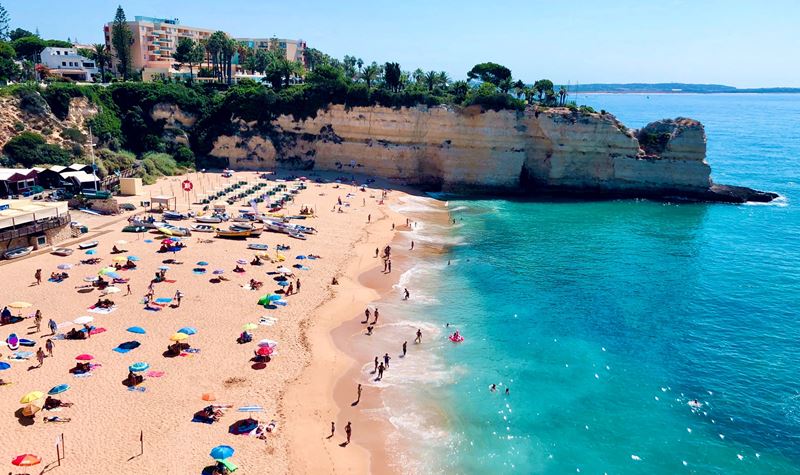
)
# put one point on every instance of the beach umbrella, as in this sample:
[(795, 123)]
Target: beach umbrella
[(300, 257), (284, 270), (249, 326), (133, 258), (91, 252), (166, 242), (218, 272), (188, 330), (112, 290), (283, 283), (264, 351), (208, 397), (4, 366), (31, 409), (202, 263), (251, 409), (164, 268), (114, 275), (84, 357), (26, 460), (65, 266), (90, 278), (120, 259), (107, 270), (267, 343), (83, 320), (139, 367), (58, 389), (138, 330), (179, 337), (221, 452), (19, 305), (31, 396)]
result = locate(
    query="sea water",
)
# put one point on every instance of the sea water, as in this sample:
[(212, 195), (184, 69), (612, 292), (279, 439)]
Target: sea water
[(605, 319)]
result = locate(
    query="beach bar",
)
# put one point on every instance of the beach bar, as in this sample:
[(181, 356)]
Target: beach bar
[(32, 223)]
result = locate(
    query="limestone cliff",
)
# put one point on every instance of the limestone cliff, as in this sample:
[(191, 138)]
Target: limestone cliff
[(556, 150), (15, 119)]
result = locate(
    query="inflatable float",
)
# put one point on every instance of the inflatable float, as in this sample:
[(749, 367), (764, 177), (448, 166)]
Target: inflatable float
[(456, 338), (26, 342)]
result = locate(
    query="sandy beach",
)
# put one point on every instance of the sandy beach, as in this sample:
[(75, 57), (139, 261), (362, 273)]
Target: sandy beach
[(301, 388)]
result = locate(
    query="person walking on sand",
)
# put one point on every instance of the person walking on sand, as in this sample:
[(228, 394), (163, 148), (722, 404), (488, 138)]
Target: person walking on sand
[(53, 326), (376, 365), (376, 252), (298, 286), (128, 287), (406, 295), (386, 359), (40, 356), (381, 368), (348, 430), (290, 289), (358, 399), (49, 347), (366, 315), (38, 276), (412, 245), (37, 321), (405, 345), (178, 297), (418, 339), (369, 218), (333, 430), (376, 317)]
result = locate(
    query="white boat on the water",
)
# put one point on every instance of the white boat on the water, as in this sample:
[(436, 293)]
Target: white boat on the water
[(17, 252)]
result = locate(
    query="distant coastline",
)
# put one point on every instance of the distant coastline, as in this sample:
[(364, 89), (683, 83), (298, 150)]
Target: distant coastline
[(675, 88)]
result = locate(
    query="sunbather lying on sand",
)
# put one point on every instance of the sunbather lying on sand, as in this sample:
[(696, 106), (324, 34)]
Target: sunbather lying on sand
[(134, 379), (52, 403), (56, 419)]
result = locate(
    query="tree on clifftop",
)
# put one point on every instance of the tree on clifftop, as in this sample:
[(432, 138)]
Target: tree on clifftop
[(391, 75), (121, 39), (101, 57), (489, 72), (5, 20)]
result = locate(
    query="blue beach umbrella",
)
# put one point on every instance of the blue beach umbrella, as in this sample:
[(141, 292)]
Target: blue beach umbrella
[(283, 283), (138, 330), (114, 275), (218, 272), (139, 367), (164, 268), (300, 257), (188, 330), (91, 252), (202, 263), (221, 452), (58, 389), (4, 366), (148, 241), (133, 258)]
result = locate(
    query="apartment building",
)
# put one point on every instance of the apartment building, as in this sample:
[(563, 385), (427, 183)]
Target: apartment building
[(293, 49), (68, 63), (155, 40)]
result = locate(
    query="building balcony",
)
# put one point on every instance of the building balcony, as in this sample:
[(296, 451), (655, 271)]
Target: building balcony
[(34, 228)]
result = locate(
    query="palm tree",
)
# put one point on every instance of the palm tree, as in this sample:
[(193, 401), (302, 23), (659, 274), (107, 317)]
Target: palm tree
[(562, 95), (443, 79), (102, 57), (430, 80), (370, 73), (418, 75), (519, 88)]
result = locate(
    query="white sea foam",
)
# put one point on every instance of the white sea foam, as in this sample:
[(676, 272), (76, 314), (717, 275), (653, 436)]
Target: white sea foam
[(418, 204), (781, 201)]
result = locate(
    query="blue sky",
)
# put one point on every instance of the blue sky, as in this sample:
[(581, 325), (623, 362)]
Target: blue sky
[(737, 42)]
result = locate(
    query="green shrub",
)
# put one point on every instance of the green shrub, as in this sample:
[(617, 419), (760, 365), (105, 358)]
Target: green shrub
[(29, 149), (73, 134), (47, 131), (184, 156), (58, 97), (19, 126), (31, 101)]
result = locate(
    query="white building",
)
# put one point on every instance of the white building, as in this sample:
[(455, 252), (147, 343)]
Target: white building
[(68, 63)]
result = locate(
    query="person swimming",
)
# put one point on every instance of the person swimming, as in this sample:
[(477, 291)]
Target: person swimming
[(695, 404)]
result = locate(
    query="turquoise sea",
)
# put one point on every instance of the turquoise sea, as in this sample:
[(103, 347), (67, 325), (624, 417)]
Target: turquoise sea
[(605, 319)]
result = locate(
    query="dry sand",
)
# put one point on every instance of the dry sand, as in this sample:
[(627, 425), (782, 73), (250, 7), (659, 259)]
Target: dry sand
[(296, 387)]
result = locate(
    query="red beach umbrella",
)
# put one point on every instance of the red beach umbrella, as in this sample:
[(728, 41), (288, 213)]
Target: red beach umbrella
[(84, 357), (26, 460), (264, 351)]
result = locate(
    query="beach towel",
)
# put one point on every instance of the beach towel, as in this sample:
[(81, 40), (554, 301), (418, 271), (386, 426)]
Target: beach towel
[(170, 281), (127, 346), (155, 374), (82, 375), (95, 331), (202, 420), (153, 309), (59, 336), (192, 350), (20, 355), (163, 300), (102, 311), (268, 321), (137, 389)]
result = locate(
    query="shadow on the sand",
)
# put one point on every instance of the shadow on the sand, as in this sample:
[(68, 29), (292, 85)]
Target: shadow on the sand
[(23, 420)]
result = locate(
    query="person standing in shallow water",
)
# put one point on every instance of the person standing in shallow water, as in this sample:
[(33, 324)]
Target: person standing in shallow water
[(376, 317), (419, 336), (366, 315), (348, 430), (376, 364), (358, 399), (333, 429), (412, 245), (386, 359), (406, 295), (381, 369), (405, 344)]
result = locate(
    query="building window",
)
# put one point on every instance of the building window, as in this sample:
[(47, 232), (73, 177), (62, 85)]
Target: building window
[(63, 63)]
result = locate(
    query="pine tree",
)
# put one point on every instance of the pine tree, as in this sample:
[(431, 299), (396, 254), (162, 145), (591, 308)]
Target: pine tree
[(5, 20), (121, 39)]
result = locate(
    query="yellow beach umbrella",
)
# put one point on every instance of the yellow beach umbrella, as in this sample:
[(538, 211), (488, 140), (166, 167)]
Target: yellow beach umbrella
[(19, 305), (250, 326), (107, 270), (179, 337), (31, 396), (120, 259)]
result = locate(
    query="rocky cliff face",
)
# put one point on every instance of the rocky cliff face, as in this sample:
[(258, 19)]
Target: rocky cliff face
[(468, 149), (15, 119)]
